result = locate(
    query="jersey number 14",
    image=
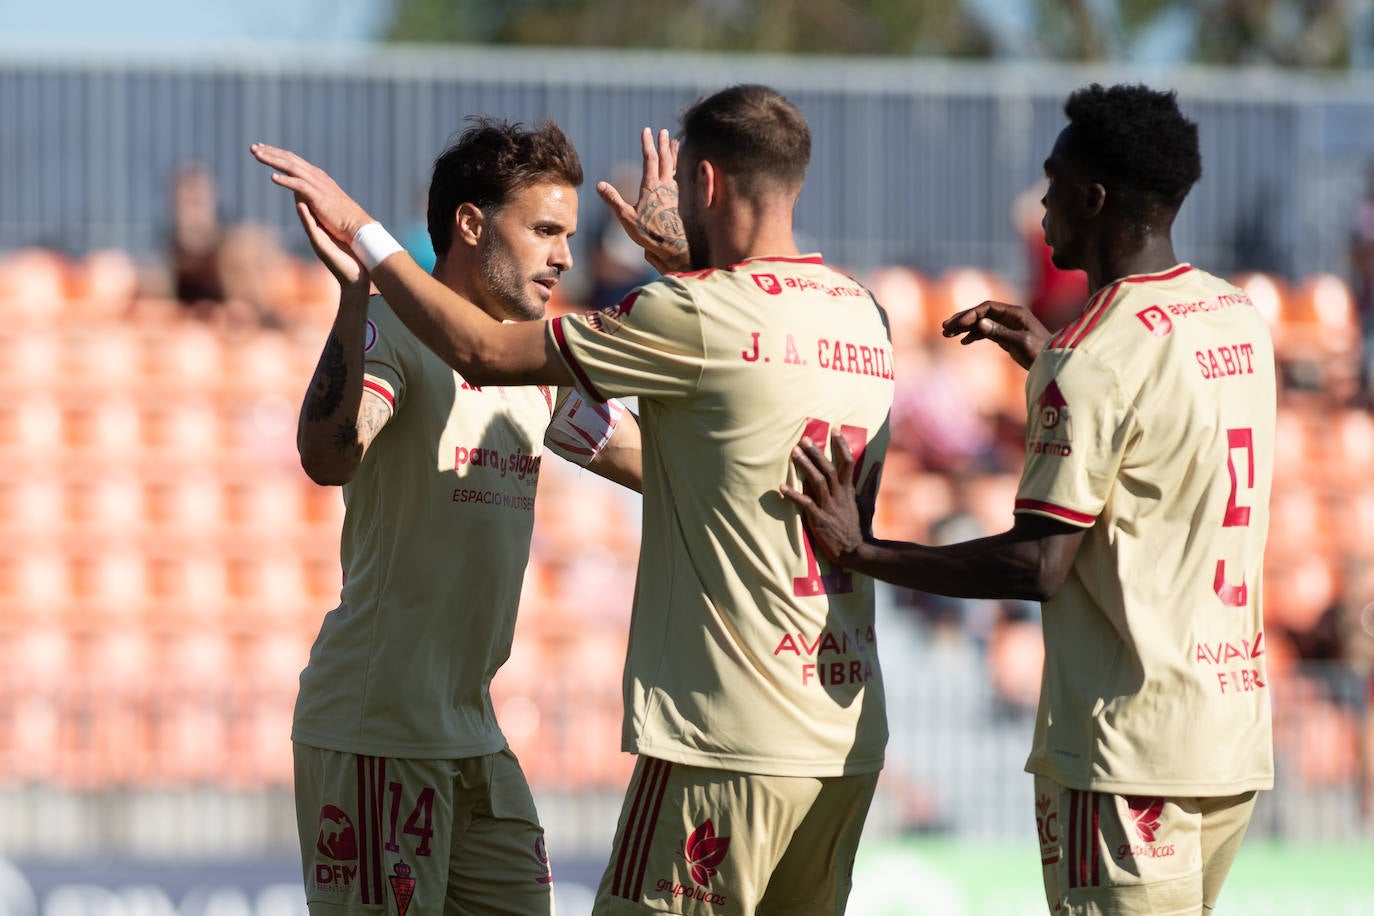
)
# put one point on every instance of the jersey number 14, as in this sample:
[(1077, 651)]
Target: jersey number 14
[(837, 581)]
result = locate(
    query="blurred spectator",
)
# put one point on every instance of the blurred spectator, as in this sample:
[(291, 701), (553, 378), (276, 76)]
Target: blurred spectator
[(233, 274), (1055, 296), (1362, 281), (1254, 245), (618, 264), (196, 236)]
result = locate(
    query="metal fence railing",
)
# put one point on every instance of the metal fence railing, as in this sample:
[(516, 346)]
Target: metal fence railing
[(914, 162)]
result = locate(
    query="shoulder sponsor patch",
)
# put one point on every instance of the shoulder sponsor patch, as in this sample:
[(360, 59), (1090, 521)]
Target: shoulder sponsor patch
[(1052, 433), (1155, 319), (768, 283)]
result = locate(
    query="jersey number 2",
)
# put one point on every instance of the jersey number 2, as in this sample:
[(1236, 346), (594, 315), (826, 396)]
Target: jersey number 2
[(1237, 516), (837, 581)]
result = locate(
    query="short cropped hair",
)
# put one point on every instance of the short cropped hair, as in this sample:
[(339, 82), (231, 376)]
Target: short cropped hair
[(1135, 140), (753, 134), (488, 163)]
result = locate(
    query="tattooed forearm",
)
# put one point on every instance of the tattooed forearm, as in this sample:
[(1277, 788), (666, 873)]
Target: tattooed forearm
[(352, 437), (372, 416), (327, 387), (346, 440), (659, 222)]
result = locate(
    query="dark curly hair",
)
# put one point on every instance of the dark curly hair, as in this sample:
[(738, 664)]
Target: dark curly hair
[(1135, 141), (488, 163)]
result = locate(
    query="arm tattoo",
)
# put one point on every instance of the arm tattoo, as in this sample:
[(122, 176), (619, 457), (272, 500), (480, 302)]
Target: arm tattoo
[(346, 440), (354, 436), (659, 221), (373, 414), (327, 387)]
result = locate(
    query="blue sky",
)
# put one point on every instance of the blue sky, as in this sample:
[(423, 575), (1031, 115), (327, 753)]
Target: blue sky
[(133, 23)]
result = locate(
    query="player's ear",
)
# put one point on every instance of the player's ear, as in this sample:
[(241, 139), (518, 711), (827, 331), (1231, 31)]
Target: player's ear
[(469, 224), (708, 180), (1094, 199)]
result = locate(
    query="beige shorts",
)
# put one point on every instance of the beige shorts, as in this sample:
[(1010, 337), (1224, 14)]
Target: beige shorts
[(419, 837), (693, 840), (1130, 854)]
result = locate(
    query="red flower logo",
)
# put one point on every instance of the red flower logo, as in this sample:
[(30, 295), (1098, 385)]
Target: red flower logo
[(1146, 812), (704, 851)]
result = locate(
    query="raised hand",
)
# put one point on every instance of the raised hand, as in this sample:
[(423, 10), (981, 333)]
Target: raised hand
[(653, 222), (1011, 327), (338, 258), (334, 211), (829, 508)]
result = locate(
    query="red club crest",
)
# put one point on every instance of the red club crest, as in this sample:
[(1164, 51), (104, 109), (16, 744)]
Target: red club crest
[(704, 851)]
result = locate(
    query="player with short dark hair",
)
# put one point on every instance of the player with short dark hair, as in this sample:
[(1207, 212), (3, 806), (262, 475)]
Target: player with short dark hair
[(1141, 519), (753, 694), (405, 789)]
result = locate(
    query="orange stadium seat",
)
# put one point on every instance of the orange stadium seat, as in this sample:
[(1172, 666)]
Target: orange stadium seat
[(103, 428), (908, 505), (905, 295), (1269, 294), (33, 287), (270, 506), (32, 508), (1299, 521), (102, 285), (190, 742), (259, 753), (187, 502), (97, 359), (30, 360), (105, 506), (1297, 445), (187, 430), (37, 586), (110, 583), (1355, 515), (184, 358), (265, 363), (31, 429), (31, 738), (1299, 591), (963, 288)]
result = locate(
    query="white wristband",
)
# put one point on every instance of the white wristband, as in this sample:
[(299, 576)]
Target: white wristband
[(373, 245)]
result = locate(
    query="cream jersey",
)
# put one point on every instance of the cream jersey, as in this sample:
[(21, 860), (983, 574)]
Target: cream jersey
[(1151, 423), (746, 651), (436, 536)]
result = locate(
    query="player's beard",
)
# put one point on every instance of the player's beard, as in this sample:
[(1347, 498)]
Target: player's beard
[(698, 248), (505, 282)]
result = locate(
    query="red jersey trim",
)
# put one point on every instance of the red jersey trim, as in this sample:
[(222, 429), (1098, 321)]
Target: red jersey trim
[(1073, 335), (698, 274), (559, 338), (1068, 515), (800, 259), (379, 390), (1093, 318)]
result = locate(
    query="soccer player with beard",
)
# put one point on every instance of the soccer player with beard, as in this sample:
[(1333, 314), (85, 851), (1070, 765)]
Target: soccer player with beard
[(753, 694), (1141, 519), (407, 797)]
